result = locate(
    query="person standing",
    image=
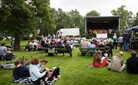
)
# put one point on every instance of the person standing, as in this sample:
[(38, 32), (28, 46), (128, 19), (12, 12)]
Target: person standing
[(126, 40), (12, 44), (132, 63), (115, 41), (120, 41)]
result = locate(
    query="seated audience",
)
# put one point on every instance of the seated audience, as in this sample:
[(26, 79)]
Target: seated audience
[(60, 46), (68, 47), (20, 71), (98, 60), (10, 55), (3, 51), (91, 45), (83, 44), (132, 63), (116, 63), (51, 49)]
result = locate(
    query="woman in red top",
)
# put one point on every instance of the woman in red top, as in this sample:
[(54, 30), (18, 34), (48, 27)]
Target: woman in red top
[(98, 60)]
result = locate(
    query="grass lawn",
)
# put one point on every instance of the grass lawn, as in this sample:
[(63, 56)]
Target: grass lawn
[(74, 70)]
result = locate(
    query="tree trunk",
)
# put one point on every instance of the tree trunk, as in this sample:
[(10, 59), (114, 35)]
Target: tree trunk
[(17, 42)]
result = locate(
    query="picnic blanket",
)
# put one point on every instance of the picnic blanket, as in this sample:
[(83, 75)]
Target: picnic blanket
[(27, 80)]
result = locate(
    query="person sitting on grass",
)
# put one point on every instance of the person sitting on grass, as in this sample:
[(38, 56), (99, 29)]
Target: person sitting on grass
[(132, 64), (116, 63), (20, 71), (10, 55), (3, 51), (36, 74), (98, 60), (52, 75)]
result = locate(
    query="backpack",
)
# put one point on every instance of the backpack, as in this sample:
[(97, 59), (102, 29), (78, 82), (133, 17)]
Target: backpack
[(9, 56)]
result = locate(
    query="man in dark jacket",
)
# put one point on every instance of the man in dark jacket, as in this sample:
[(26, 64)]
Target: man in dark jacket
[(110, 45), (20, 71), (132, 63)]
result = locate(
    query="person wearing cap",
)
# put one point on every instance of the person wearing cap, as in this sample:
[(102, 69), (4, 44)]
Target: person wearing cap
[(132, 63), (20, 71), (116, 63)]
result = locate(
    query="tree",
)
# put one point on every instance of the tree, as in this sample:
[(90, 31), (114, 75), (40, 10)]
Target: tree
[(69, 19), (93, 13), (62, 19), (77, 20), (22, 17), (43, 14), (126, 17), (16, 19), (135, 20)]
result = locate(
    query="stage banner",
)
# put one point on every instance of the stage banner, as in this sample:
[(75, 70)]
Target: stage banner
[(101, 35)]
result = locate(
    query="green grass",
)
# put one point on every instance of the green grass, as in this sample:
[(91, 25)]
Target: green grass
[(74, 70)]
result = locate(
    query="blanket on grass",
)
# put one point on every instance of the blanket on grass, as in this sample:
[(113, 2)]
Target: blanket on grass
[(27, 80)]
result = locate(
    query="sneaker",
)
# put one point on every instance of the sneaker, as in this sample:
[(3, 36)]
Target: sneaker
[(87, 65), (59, 75)]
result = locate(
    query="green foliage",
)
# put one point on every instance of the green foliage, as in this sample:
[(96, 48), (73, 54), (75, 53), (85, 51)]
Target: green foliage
[(135, 22), (43, 14), (126, 17), (71, 19), (93, 13)]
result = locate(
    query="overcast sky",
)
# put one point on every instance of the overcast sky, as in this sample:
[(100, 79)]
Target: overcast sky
[(101, 6)]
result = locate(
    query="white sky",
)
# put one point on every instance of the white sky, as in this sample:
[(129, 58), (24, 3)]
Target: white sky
[(101, 6)]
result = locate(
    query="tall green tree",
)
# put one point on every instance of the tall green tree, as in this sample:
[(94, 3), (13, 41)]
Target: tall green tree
[(126, 17), (77, 20), (43, 14), (93, 13), (16, 19), (135, 20), (22, 17), (62, 20)]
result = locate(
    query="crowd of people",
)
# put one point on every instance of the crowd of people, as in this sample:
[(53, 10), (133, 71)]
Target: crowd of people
[(36, 71), (51, 43), (102, 58)]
